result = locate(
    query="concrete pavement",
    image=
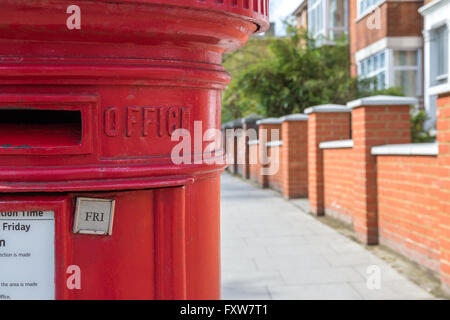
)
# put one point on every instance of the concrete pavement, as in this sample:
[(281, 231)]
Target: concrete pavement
[(272, 249)]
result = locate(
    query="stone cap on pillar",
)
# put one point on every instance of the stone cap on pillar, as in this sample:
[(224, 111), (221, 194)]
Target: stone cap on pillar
[(236, 124), (324, 108), (382, 101), (295, 117), (227, 125), (269, 121), (250, 119)]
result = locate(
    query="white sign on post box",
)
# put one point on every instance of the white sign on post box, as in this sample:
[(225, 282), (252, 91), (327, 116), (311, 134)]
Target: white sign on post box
[(27, 255)]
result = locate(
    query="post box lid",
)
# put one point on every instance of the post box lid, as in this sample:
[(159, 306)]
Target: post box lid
[(256, 11)]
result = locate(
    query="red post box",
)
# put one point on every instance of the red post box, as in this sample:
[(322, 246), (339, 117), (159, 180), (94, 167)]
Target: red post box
[(92, 205)]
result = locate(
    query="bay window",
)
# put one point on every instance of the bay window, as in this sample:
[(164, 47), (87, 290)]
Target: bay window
[(390, 67), (374, 66)]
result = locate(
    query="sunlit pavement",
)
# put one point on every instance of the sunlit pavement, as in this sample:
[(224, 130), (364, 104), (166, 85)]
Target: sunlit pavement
[(271, 249)]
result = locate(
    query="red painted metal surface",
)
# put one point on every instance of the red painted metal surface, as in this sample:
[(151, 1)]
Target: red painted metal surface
[(89, 112)]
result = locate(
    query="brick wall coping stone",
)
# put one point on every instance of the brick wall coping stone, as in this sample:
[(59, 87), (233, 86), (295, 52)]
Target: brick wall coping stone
[(336, 144), (227, 125), (269, 121), (411, 149), (236, 124), (253, 118), (382, 101), (327, 108), (295, 117), (277, 143)]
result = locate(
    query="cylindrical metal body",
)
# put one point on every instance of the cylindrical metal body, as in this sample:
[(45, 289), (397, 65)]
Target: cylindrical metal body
[(89, 112)]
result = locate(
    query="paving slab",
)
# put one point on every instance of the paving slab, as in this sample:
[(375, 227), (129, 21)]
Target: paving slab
[(273, 249)]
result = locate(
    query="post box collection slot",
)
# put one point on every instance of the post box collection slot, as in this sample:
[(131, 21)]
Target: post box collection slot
[(22, 128)]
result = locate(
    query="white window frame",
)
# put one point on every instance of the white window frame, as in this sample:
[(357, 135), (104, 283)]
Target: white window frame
[(361, 14)]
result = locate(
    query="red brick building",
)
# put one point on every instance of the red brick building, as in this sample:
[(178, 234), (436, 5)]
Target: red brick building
[(386, 43)]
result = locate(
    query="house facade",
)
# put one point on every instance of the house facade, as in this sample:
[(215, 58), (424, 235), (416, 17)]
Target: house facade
[(386, 44)]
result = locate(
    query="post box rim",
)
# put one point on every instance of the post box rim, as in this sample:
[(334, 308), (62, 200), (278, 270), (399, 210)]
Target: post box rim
[(259, 15)]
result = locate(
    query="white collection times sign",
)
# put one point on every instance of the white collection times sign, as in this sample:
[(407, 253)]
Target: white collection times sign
[(27, 255)]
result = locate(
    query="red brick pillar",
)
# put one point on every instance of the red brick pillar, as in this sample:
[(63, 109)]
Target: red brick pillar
[(326, 123), (376, 121), (265, 128), (250, 128), (294, 156), (228, 140), (239, 139), (443, 136), (253, 147)]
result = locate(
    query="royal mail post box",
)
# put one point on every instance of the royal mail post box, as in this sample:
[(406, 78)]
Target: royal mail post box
[(92, 203)]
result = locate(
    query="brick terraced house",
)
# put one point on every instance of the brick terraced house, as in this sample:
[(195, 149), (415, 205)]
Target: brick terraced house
[(401, 43)]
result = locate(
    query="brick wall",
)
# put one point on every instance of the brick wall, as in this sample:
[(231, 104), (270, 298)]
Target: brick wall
[(230, 148), (275, 181), (294, 157), (373, 125), (241, 141), (338, 183), (250, 128), (253, 162), (325, 123), (443, 127), (266, 125), (407, 204)]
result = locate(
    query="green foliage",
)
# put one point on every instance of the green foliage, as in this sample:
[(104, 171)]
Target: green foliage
[(278, 76), (418, 133), (236, 103)]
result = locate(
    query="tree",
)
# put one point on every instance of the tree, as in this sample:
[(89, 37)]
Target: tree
[(280, 76), (236, 103)]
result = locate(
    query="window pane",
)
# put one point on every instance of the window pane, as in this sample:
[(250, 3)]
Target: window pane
[(382, 57), (337, 13), (381, 81), (405, 58), (407, 80), (369, 65), (442, 55)]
